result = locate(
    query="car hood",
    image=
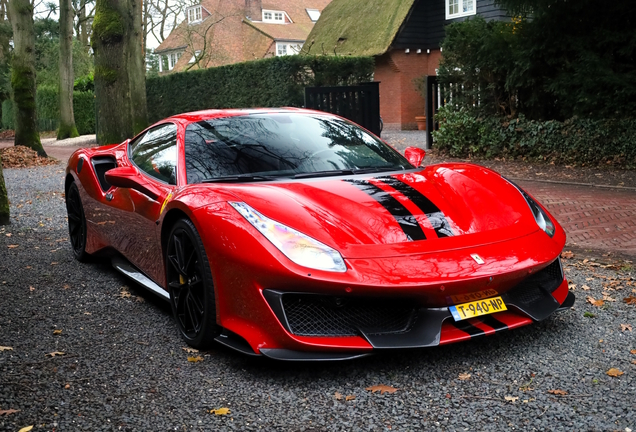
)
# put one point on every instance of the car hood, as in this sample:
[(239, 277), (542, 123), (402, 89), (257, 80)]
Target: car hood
[(440, 207)]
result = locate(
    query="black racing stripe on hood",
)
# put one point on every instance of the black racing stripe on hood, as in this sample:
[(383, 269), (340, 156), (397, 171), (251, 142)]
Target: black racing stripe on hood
[(435, 216), (402, 215), (467, 327)]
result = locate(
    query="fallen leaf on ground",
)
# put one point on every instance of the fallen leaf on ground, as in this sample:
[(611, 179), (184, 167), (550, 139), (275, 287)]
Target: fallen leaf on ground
[(125, 294), (12, 246), (382, 389), (597, 303), (67, 386), (55, 353), (572, 286), (190, 350), (558, 392), (567, 255), (464, 376), (613, 372), (57, 332), (630, 300), (338, 396), (3, 348), (23, 157), (585, 288), (7, 412), (31, 288), (625, 327), (195, 359), (350, 397), (512, 399), (54, 263), (220, 411), (26, 429), (631, 351), (66, 286)]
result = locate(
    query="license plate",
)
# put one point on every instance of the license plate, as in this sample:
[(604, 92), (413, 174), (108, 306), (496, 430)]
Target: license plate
[(477, 308)]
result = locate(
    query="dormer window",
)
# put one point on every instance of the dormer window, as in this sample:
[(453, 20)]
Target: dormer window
[(194, 14), (276, 17), (460, 8), (314, 14)]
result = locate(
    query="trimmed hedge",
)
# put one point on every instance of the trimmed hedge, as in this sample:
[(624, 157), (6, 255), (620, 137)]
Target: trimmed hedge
[(48, 111), (272, 82), (577, 140), (7, 114)]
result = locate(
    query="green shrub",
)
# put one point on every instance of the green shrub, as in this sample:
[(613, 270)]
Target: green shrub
[(463, 133), (48, 111), (7, 114), (273, 82)]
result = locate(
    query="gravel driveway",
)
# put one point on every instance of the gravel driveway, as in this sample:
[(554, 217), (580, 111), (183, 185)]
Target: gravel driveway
[(124, 367)]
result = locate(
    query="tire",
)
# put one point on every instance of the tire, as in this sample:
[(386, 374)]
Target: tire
[(191, 286), (76, 223)]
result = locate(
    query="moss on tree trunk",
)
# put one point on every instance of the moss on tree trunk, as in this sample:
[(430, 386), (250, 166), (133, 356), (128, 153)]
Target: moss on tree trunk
[(4, 199), (23, 75), (67, 127), (120, 84)]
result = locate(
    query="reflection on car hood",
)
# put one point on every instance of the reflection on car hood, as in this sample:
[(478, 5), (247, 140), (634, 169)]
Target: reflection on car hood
[(415, 212)]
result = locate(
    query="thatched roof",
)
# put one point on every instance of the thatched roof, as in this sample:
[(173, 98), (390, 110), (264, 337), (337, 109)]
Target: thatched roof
[(357, 27)]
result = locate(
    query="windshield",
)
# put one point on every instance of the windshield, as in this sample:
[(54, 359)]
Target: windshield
[(265, 146)]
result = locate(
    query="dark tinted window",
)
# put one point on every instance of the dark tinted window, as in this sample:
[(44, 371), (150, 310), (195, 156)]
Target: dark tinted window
[(282, 144), (155, 152)]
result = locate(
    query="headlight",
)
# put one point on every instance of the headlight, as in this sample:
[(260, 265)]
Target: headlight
[(542, 218), (298, 247)]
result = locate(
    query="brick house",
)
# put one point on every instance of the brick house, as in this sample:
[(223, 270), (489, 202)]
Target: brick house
[(221, 32), (403, 36)]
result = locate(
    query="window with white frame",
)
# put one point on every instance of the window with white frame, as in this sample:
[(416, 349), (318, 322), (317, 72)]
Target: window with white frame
[(288, 48), (314, 14), (460, 8), (173, 59), (194, 14), (272, 16), (194, 58)]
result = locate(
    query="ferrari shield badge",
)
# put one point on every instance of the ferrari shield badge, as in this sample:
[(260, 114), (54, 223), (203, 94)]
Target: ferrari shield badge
[(477, 259)]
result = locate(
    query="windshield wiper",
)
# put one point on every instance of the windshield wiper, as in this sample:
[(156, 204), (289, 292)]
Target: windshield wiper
[(324, 173), (347, 172), (240, 178)]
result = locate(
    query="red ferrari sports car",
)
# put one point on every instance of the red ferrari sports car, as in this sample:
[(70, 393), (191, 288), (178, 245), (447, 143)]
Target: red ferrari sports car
[(298, 235)]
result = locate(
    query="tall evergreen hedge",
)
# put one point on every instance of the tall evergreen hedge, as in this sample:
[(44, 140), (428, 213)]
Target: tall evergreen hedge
[(48, 110), (272, 82)]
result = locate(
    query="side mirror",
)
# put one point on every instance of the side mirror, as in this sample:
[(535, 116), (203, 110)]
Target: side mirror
[(129, 177), (414, 155)]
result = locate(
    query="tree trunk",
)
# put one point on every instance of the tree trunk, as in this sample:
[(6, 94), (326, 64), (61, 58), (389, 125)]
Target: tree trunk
[(4, 200), (67, 120), (137, 69), (83, 33), (119, 90), (23, 75)]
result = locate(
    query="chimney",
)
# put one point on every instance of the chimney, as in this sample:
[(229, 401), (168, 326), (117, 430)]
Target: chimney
[(254, 9)]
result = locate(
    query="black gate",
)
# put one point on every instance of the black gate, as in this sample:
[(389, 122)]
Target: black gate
[(360, 103), (434, 100)]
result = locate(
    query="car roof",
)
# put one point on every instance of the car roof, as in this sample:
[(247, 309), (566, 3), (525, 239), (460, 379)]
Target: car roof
[(196, 116)]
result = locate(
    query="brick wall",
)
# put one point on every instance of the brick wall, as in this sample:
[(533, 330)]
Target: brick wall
[(400, 100)]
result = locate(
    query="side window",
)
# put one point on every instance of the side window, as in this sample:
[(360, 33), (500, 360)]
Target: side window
[(155, 153)]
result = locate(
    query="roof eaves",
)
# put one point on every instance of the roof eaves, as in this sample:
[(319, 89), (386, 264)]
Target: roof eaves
[(170, 49), (249, 23)]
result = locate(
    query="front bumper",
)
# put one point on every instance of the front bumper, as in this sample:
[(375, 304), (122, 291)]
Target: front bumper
[(380, 324)]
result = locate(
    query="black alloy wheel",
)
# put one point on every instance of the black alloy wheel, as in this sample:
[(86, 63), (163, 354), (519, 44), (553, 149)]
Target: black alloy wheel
[(191, 286), (76, 223)]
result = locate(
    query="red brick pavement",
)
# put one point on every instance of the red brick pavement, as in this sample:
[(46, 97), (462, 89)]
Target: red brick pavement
[(593, 218)]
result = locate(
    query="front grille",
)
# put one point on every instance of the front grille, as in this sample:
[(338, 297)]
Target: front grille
[(529, 290), (315, 315)]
